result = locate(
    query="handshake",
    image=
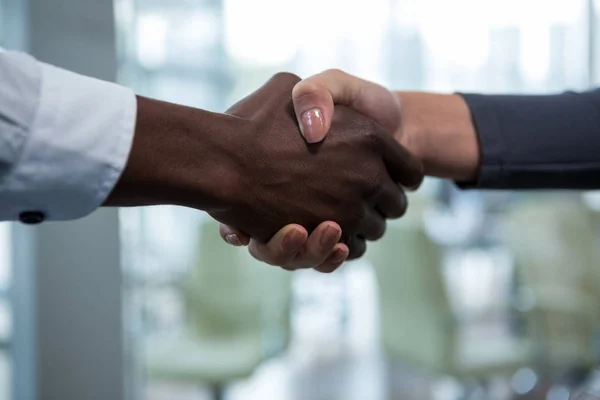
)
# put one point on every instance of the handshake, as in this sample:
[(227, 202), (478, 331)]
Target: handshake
[(266, 171), (354, 177)]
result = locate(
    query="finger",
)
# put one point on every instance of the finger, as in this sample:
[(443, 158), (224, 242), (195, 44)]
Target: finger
[(372, 225), (337, 258), (282, 247), (314, 99), (357, 247), (319, 246), (390, 201), (246, 107), (233, 236), (402, 166)]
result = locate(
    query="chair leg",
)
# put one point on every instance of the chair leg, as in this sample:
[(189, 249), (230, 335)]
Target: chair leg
[(218, 392)]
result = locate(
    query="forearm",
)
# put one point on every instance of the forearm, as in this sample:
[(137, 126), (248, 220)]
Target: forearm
[(176, 158), (438, 129), (506, 141)]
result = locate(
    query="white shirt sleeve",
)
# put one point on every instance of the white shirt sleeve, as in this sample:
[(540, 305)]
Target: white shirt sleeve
[(64, 139)]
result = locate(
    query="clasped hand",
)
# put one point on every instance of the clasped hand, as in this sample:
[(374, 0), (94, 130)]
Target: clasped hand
[(353, 178)]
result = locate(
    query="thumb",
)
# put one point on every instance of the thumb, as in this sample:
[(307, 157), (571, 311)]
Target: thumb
[(279, 85), (313, 105), (314, 100)]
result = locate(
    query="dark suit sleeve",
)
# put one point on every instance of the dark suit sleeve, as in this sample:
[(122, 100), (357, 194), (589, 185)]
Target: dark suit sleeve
[(537, 142)]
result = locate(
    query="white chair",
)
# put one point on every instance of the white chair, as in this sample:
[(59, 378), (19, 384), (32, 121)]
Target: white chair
[(557, 263), (237, 315), (418, 325), (556, 269)]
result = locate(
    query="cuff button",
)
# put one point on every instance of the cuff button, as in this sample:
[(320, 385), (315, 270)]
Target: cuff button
[(32, 217)]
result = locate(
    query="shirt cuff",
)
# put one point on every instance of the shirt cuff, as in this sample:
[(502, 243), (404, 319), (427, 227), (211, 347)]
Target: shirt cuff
[(77, 148), (20, 85)]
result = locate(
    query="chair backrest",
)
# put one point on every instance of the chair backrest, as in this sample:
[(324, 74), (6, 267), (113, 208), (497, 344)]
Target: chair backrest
[(419, 325), (414, 309), (227, 291), (556, 258), (554, 240)]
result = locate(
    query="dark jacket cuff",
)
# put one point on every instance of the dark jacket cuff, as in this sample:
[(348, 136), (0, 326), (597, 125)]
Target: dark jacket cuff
[(537, 142)]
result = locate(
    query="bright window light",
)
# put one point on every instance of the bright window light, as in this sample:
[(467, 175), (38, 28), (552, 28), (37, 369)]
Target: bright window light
[(151, 35), (534, 52), (452, 35), (198, 30), (261, 32)]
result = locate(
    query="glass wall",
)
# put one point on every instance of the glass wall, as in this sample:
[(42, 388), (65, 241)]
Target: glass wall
[(5, 309), (5, 281), (471, 294)]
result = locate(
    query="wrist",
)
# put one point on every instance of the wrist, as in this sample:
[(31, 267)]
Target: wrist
[(178, 158), (438, 129)]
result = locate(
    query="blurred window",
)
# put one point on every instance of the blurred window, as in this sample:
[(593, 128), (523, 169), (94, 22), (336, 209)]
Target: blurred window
[(210, 53)]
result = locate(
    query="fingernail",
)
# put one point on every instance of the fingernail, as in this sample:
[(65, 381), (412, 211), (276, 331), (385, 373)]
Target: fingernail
[(312, 125), (293, 241), (233, 239), (329, 237)]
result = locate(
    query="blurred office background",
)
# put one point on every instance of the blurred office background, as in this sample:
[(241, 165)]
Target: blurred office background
[(471, 296)]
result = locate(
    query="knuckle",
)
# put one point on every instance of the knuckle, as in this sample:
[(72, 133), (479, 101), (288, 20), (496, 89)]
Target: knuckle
[(370, 133), (374, 181), (288, 267), (306, 89), (285, 75), (353, 217), (254, 252), (357, 251), (280, 257), (399, 206), (307, 97), (316, 255), (327, 269), (285, 78), (398, 212), (269, 256), (377, 180), (402, 207), (336, 72), (379, 230), (418, 177), (311, 94), (310, 257)]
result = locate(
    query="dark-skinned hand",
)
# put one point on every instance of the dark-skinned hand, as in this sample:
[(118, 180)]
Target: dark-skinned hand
[(351, 177), (253, 170)]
